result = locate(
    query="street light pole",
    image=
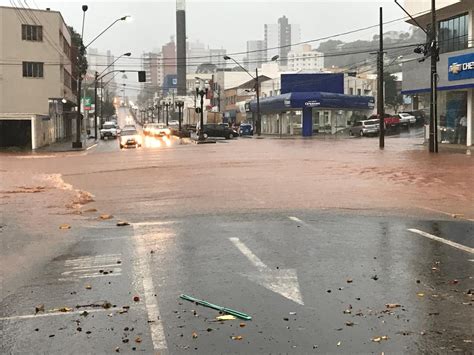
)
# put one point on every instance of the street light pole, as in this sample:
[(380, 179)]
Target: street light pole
[(180, 105), (202, 92), (258, 124)]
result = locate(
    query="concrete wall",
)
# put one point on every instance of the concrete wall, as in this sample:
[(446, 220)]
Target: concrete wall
[(19, 94)]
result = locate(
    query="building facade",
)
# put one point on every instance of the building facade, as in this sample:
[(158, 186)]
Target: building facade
[(37, 88), (455, 108), (255, 55), (305, 58), (279, 38)]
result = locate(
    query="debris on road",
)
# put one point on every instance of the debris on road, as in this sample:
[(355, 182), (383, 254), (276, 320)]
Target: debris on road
[(349, 324), (195, 335), (379, 338), (237, 337), (39, 308), (349, 281), (122, 224), (420, 294), (241, 325), (392, 305), (225, 317), (138, 340), (136, 299), (105, 216), (90, 210), (375, 277), (88, 287), (216, 307), (339, 343), (64, 226)]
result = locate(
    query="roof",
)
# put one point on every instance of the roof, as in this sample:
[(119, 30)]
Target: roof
[(300, 100), (251, 83)]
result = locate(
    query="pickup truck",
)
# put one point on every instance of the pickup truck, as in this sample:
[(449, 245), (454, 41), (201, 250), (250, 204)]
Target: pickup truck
[(109, 130)]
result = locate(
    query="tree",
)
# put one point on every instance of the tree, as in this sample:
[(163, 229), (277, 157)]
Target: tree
[(393, 98), (78, 53), (206, 68), (108, 109)]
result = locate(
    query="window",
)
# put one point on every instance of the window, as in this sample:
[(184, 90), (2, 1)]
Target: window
[(32, 33), (351, 91), (453, 34), (32, 70), (359, 92), (67, 79)]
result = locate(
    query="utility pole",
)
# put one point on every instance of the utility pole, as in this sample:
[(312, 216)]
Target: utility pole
[(380, 86), (434, 76), (96, 106), (258, 124)]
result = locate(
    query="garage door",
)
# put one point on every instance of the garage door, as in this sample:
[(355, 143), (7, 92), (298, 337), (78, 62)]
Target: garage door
[(15, 133)]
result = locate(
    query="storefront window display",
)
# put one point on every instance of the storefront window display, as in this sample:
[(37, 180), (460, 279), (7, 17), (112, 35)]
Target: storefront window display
[(452, 111)]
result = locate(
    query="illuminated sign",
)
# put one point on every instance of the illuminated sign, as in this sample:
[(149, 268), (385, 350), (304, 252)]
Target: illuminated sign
[(461, 67)]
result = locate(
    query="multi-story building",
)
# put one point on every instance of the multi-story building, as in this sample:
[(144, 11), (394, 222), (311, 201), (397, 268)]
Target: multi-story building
[(256, 55), (37, 88), (455, 109), (280, 37), (168, 52), (305, 58), (153, 67)]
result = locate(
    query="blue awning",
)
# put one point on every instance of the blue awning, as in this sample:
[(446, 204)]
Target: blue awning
[(300, 100)]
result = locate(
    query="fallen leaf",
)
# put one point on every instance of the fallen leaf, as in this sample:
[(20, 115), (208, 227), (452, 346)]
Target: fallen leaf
[(237, 337), (84, 314), (122, 224), (349, 281), (349, 324), (420, 294), (91, 210), (117, 349), (138, 340), (384, 337), (88, 287), (65, 309), (339, 343), (39, 308), (292, 313), (454, 282), (241, 325), (136, 299), (105, 216), (347, 311), (375, 277), (376, 339), (195, 335), (392, 305), (225, 317), (106, 305), (64, 226)]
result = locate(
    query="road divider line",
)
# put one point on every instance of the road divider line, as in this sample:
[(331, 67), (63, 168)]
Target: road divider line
[(143, 273), (442, 240), (254, 259), (92, 146)]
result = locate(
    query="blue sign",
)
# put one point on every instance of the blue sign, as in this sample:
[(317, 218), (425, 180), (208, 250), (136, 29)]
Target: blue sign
[(461, 67), (314, 82)]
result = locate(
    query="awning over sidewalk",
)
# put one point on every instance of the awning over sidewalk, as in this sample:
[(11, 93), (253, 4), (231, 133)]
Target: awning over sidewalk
[(300, 100)]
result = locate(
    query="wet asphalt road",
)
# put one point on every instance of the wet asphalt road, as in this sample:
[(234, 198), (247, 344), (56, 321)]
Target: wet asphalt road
[(315, 275)]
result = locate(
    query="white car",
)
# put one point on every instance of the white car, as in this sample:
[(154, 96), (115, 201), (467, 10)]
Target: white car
[(156, 130), (109, 130), (407, 119)]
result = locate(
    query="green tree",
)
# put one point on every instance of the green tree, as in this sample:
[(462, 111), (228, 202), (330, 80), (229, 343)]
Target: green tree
[(78, 53), (108, 109), (393, 98)]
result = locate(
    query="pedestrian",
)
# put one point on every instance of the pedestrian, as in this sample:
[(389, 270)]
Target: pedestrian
[(463, 129)]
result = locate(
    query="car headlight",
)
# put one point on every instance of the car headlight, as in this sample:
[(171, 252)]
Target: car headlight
[(138, 139)]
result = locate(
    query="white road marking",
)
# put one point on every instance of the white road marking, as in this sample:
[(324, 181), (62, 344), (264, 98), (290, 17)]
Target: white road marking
[(452, 215), (303, 223), (441, 240), (92, 146), (295, 219), (143, 273), (90, 266), (55, 314), (284, 281)]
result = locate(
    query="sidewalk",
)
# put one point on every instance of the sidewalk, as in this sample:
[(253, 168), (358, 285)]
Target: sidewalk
[(66, 146)]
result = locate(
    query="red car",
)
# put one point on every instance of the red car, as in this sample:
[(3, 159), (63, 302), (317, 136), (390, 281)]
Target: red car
[(392, 122)]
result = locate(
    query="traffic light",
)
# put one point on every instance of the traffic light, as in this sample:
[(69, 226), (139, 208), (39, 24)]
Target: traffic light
[(142, 76)]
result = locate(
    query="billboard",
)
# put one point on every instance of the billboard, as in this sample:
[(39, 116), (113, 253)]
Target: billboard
[(316, 82)]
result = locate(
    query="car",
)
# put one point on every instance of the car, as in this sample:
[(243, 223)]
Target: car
[(156, 130), (130, 137), (406, 119), (173, 123), (365, 128), (392, 122), (420, 116), (109, 130), (246, 129), (128, 127), (220, 130)]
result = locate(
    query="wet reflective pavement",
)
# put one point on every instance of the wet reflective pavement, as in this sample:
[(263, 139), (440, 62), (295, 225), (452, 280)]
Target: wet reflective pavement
[(315, 244)]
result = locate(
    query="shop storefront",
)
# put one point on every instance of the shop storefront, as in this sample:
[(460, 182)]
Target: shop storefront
[(308, 113), (455, 95)]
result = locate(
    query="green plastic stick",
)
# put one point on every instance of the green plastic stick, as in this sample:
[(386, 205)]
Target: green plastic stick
[(216, 307)]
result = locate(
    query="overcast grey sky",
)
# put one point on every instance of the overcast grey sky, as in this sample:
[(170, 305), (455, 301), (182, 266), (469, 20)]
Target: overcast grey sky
[(225, 23)]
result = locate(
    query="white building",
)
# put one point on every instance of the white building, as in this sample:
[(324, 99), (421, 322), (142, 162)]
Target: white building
[(153, 67), (37, 89), (255, 55), (279, 39), (303, 57)]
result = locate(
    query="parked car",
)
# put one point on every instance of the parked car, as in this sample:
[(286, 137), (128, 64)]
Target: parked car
[(392, 122), (130, 138), (156, 130), (365, 128), (420, 116), (109, 130), (246, 129), (220, 130), (406, 119)]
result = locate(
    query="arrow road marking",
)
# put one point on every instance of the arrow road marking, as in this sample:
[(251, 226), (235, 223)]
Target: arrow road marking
[(445, 241), (283, 282)]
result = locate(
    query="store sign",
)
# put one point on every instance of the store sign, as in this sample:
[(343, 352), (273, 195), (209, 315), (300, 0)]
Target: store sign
[(87, 102), (312, 103), (461, 67)]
